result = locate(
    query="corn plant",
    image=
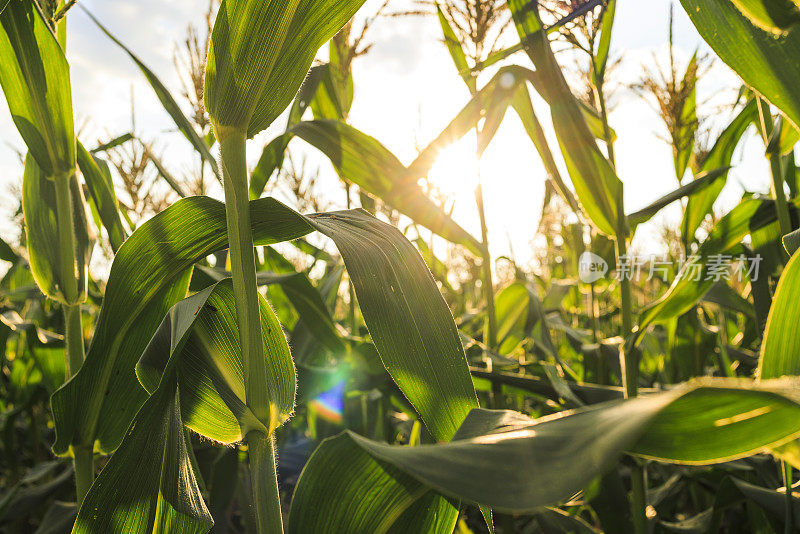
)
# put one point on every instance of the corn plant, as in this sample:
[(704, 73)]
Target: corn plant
[(668, 408)]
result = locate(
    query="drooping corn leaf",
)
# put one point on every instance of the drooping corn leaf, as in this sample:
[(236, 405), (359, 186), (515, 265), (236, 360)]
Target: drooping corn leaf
[(165, 495), (210, 370), (340, 72), (596, 184), (780, 349), (167, 101), (490, 103), (138, 295), (407, 318), (784, 137), (101, 189), (372, 497), (764, 61), (362, 160), (700, 204), (693, 280), (41, 229), (34, 75), (192, 366), (703, 181), (149, 484), (724, 295), (515, 464), (524, 109), (306, 299), (771, 15), (172, 182), (260, 53)]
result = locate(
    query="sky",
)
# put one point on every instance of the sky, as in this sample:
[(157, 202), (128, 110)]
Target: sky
[(406, 92)]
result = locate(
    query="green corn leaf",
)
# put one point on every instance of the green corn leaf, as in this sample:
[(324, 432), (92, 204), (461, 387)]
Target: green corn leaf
[(362, 160), (310, 307), (113, 143), (692, 281), (519, 311), (148, 275), (373, 497), (34, 75), (780, 349), (167, 101), (700, 204), (101, 190), (604, 43), (126, 497), (149, 484), (515, 464), (685, 142), (456, 51), (334, 95), (407, 318), (305, 95), (304, 297), (496, 57), (597, 185), (784, 137), (261, 52), (524, 109), (3, 5), (7, 253), (41, 228), (306, 343), (271, 159), (791, 242), (724, 295), (209, 366), (771, 15), (701, 183), (595, 123), (765, 62), (490, 103), (340, 71)]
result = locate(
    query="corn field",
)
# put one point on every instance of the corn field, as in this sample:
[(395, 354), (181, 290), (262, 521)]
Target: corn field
[(240, 365)]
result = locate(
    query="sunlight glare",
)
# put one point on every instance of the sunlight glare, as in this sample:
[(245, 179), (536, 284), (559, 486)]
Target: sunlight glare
[(455, 173)]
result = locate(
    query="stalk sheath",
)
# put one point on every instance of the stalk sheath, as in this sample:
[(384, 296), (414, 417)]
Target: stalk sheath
[(243, 270), (73, 327), (266, 497)]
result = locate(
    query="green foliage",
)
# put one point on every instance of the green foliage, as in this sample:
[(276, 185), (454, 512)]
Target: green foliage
[(40, 204), (239, 367), (764, 61), (261, 51), (34, 75)]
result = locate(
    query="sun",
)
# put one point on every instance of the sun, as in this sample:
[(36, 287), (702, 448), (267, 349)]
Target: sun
[(456, 171)]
